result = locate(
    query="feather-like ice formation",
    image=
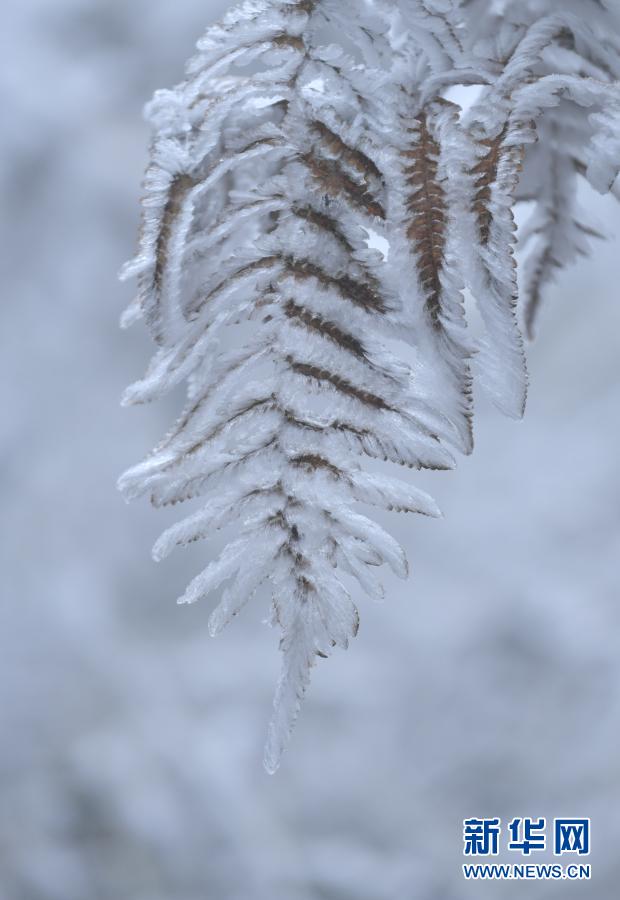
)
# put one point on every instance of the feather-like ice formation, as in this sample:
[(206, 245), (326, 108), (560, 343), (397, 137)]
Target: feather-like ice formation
[(549, 117), (285, 159)]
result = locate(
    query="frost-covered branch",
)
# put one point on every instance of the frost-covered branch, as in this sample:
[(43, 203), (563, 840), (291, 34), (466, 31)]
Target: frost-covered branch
[(550, 117), (311, 204)]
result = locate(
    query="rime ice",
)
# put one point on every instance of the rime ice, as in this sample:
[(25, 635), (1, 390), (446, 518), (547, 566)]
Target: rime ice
[(272, 165)]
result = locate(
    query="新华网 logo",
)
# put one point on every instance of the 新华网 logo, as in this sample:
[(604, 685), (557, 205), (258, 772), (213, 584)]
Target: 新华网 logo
[(483, 836)]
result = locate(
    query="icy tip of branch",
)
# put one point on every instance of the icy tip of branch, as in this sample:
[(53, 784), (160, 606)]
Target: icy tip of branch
[(274, 750), (159, 552), (131, 315), (134, 482), (126, 487), (135, 394), (132, 268)]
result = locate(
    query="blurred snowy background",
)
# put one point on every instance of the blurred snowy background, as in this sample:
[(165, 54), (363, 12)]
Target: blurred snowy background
[(130, 763)]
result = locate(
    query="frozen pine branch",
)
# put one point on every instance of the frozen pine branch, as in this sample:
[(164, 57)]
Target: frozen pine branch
[(313, 204)]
